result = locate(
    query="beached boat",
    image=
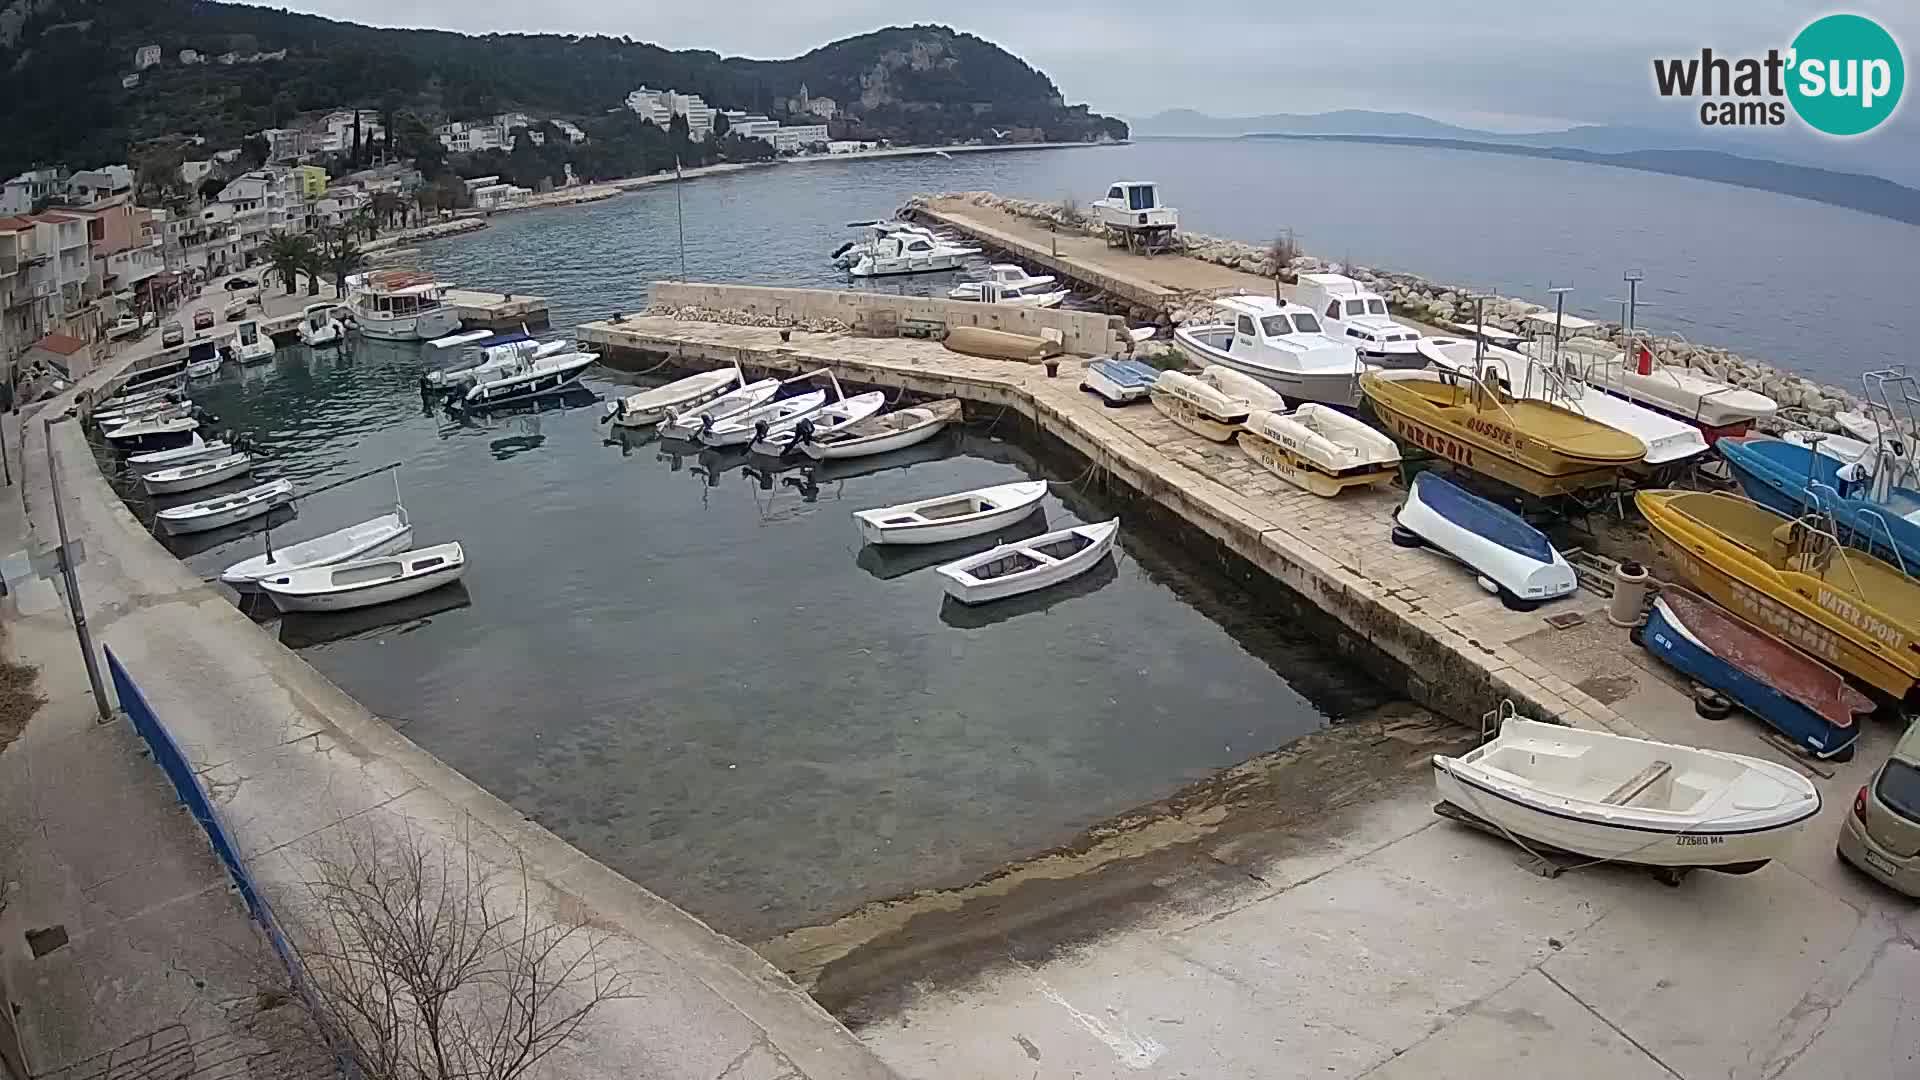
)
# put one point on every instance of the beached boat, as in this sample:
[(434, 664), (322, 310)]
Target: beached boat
[(362, 583), (1871, 512), (686, 423), (1841, 448), (1319, 448), (1718, 408), (778, 437), (951, 517), (1798, 696), (530, 377), (318, 328), (1026, 565), (1249, 389), (1535, 446), (884, 433), (225, 509), (1629, 800), (1794, 579), (649, 407), (196, 449), (1198, 406), (1514, 560), (195, 475), (1356, 313), (400, 305), (249, 345), (1000, 344), (1119, 381), (741, 428), (382, 535), (153, 434), (1278, 343)]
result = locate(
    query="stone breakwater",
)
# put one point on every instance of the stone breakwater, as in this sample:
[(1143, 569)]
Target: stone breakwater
[(737, 317), (1803, 402)]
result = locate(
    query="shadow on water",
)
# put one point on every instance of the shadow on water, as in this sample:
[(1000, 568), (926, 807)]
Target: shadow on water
[(307, 629), (979, 616)]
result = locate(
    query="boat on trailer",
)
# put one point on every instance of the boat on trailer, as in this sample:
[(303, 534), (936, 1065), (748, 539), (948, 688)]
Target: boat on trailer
[(1198, 406), (1616, 799), (884, 433), (1119, 381), (1512, 559), (365, 582), (381, 535), (196, 474), (1280, 344), (1026, 565), (649, 407), (1319, 448), (209, 514), (951, 517)]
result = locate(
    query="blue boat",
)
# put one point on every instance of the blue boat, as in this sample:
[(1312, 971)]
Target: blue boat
[(1795, 480), (1120, 381), (1512, 558), (1796, 695)]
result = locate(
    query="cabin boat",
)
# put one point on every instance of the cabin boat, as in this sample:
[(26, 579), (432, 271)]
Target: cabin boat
[(318, 328), (1626, 800), (400, 305), (381, 535), (781, 436), (740, 428), (365, 582), (1535, 446), (1513, 560), (1280, 344), (1319, 448), (196, 449), (492, 358), (1007, 275), (686, 423), (1026, 565), (223, 510), (195, 475), (203, 360), (649, 407), (1718, 408), (951, 517), (530, 377), (153, 434), (1035, 296), (894, 248), (1351, 311), (1197, 406), (1877, 513), (1131, 215), (884, 433), (1119, 381), (1793, 577), (1796, 695), (249, 345)]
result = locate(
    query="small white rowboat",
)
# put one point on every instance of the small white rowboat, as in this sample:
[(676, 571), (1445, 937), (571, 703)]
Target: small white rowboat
[(881, 434), (1197, 406), (778, 438), (738, 429), (195, 450), (1629, 800), (196, 475), (1319, 448), (383, 535), (649, 407), (686, 423), (951, 517), (366, 582), (153, 435), (225, 510), (1026, 565)]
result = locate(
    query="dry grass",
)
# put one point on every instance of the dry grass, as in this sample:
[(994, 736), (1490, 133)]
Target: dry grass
[(19, 695)]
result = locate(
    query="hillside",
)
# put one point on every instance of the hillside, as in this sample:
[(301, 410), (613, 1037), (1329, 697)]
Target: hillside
[(62, 62)]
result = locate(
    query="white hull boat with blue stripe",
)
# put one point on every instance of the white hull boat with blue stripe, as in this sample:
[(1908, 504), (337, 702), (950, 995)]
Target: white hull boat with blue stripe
[(1512, 558), (366, 582), (1634, 801)]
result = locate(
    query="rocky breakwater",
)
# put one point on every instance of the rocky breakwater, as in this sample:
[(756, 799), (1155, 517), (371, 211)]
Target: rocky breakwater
[(1803, 402), (737, 317), (425, 232)]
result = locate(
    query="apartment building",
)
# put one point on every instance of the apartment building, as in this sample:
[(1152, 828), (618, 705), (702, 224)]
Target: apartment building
[(29, 290), (22, 193), (792, 139), (661, 106)]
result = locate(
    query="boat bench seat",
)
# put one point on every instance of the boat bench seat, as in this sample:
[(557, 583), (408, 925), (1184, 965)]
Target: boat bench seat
[(1638, 783)]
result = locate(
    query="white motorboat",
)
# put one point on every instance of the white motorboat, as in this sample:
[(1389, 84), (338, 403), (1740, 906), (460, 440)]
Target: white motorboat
[(1026, 565), (739, 429), (1718, 407), (205, 368), (362, 583), (195, 475), (249, 345), (1319, 448), (951, 517), (146, 410), (884, 433), (1350, 310), (686, 423), (1626, 800), (318, 328), (531, 378), (196, 449), (1280, 344), (382, 535), (1512, 559), (153, 434), (225, 509), (1838, 447), (1858, 424), (1197, 406), (1035, 296), (400, 305), (492, 358), (1119, 381), (897, 248), (1246, 387), (1006, 275), (141, 397), (173, 411), (649, 407), (778, 437)]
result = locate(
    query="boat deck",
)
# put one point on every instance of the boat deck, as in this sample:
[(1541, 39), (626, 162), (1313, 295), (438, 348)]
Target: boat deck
[(1458, 650)]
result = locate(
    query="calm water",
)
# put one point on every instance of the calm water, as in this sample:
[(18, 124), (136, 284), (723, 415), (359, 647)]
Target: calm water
[(1815, 288), (697, 675)]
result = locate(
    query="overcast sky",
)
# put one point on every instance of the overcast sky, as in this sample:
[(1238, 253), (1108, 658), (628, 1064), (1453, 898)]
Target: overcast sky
[(1494, 63)]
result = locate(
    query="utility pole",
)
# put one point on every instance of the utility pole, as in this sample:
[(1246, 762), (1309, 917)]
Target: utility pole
[(65, 555), (1633, 278), (1559, 315)]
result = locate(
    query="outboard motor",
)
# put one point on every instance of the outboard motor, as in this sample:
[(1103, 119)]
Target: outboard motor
[(759, 430), (802, 433), (706, 424), (841, 250)]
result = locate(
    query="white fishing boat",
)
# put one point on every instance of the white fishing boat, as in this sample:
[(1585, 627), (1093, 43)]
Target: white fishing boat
[(138, 397), (205, 368), (884, 433), (778, 437), (1119, 381), (225, 509), (1511, 558), (362, 583), (686, 423), (649, 407), (892, 248), (249, 345), (195, 475), (951, 517), (196, 449), (381, 535), (492, 357), (1628, 800), (153, 434), (531, 378), (146, 410), (1006, 275), (400, 305), (1026, 565), (1319, 448), (174, 411), (1280, 344), (1350, 310), (1719, 408), (1034, 296), (318, 328), (739, 429), (1198, 406), (1246, 387)]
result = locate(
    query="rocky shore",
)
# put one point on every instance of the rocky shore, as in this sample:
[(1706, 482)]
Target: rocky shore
[(425, 232), (1803, 402)]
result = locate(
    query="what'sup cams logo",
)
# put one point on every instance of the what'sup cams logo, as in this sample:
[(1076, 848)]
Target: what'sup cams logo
[(1842, 75)]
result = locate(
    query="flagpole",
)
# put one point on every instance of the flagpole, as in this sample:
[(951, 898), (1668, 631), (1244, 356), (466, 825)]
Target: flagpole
[(680, 211)]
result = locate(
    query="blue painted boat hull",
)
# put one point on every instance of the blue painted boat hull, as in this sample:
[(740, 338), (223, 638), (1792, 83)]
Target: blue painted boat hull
[(1793, 480), (1685, 654)]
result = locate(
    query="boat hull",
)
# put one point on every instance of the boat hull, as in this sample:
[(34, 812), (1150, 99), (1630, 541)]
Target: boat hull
[(424, 326), (244, 511), (1336, 388), (1119, 382), (1188, 415), (245, 576), (657, 409), (970, 591), (383, 592), (1021, 500), (1301, 472), (173, 459), (161, 484), (521, 387), (1490, 540), (873, 445)]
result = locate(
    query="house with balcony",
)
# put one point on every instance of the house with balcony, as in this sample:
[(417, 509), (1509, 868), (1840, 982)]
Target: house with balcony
[(94, 185), (28, 289), (22, 193), (284, 144)]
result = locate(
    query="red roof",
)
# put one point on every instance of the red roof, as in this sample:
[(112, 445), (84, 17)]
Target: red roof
[(16, 223), (60, 344)]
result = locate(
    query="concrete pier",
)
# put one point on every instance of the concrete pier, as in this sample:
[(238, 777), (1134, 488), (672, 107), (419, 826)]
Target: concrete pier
[(481, 310)]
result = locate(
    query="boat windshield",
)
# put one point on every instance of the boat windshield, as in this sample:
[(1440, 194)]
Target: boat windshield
[(1356, 307), (1376, 306), (1276, 326)]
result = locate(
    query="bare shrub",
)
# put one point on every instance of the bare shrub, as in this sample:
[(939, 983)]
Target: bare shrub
[(1280, 253)]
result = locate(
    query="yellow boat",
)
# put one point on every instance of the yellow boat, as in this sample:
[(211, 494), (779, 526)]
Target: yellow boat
[(1537, 447), (1790, 578)]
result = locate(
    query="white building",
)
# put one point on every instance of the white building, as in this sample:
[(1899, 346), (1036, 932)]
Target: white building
[(92, 185), (257, 204), (18, 195), (192, 172), (750, 125), (285, 144), (571, 131), (797, 137), (465, 138), (499, 196), (661, 106), (334, 133), (145, 57)]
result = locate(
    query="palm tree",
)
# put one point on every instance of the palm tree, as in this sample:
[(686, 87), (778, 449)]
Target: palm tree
[(363, 223), (386, 206), (287, 254), (342, 257), (314, 266)]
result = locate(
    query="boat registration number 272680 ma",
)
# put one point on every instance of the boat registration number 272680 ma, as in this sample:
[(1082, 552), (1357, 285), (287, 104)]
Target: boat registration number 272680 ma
[(1699, 841)]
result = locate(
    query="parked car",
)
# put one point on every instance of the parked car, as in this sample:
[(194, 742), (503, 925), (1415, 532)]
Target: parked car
[(1882, 835), (235, 284), (203, 319), (171, 335)]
